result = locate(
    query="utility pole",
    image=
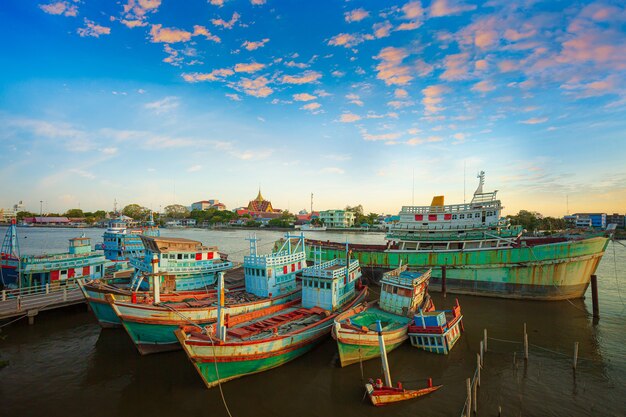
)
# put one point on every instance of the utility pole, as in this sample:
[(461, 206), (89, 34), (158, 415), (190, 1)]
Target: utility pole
[(40, 207)]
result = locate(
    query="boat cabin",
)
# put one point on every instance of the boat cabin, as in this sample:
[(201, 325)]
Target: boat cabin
[(329, 285), (275, 273), (181, 264), (402, 291), (436, 331)]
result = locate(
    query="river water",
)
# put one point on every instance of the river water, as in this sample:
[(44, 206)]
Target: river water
[(65, 365)]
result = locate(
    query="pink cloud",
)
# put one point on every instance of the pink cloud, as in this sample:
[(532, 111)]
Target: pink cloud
[(449, 7), (391, 70), (349, 118), (346, 40), (514, 35), (508, 65), (483, 86), (413, 10), (225, 24), (60, 8), (457, 67), (382, 30), (214, 75), (384, 136), (535, 120), (257, 2), (251, 46), (356, 15), (256, 87), (481, 64), (92, 29), (169, 35), (400, 93), (304, 97), (304, 78), (249, 68), (311, 106), (202, 31), (432, 98), (135, 11), (133, 23)]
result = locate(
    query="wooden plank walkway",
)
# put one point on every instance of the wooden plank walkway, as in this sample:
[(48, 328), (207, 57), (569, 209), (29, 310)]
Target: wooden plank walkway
[(30, 301)]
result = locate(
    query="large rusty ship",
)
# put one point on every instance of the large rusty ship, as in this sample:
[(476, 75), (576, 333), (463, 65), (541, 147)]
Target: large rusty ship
[(478, 252)]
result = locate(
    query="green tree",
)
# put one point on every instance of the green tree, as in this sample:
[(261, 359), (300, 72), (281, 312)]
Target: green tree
[(176, 211), (135, 211), (22, 214), (74, 213), (99, 214)]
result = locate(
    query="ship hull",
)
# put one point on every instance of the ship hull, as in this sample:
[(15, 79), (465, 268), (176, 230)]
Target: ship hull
[(552, 271), (221, 362), (151, 328)]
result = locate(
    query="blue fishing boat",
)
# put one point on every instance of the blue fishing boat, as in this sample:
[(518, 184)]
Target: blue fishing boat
[(10, 258), (437, 331)]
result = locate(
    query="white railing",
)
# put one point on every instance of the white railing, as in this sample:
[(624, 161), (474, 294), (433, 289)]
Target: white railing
[(20, 301), (452, 208)]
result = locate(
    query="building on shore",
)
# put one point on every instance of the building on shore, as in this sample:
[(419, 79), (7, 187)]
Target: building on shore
[(47, 221), (208, 204), (618, 219), (596, 220), (260, 209), (337, 218)]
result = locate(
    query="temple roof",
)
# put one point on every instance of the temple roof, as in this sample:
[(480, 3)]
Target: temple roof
[(259, 197)]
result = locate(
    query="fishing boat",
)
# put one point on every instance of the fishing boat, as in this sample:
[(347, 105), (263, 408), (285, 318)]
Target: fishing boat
[(254, 342), (270, 279), (475, 251), (186, 268), (380, 394), (402, 294), (437, 331), (121, 243), (49, 271)]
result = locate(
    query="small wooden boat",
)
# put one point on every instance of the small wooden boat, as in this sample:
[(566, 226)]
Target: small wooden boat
[(382, 394), (402, 294), (437, 331)]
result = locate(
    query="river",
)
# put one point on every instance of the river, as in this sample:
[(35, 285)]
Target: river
[(66, 365)]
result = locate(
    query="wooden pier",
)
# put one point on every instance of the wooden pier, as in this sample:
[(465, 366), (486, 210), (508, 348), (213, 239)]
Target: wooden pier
[(28, 302)]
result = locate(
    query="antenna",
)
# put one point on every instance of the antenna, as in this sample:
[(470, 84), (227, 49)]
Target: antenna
[(464, 169), (413, 189)]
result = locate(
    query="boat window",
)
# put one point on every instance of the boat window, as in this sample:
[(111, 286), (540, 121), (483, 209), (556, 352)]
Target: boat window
[(262, 272), (419, 340), (180, 256), (461, 216), (454, 217)]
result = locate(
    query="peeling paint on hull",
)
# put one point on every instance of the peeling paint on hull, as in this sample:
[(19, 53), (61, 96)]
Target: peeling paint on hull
[(554, 271)]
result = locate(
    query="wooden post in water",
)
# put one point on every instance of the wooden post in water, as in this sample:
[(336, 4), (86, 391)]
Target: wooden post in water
[(468, 384), (478, 369), (481, 352), (594, 297), (499, 411), (485, 339), (443, 280), (525, 343), (575, 355), (383, 353), (475, 401)]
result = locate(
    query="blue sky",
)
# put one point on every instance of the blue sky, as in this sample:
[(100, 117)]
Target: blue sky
[(159, 102)]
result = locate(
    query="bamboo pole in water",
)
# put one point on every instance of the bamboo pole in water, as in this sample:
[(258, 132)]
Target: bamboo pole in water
[(468, 384), (575, 355)]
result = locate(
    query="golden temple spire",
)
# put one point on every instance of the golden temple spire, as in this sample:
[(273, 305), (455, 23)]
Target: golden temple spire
[(259, 197)]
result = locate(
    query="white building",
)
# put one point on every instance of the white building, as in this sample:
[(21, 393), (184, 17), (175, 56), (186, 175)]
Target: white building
[(337, 218)]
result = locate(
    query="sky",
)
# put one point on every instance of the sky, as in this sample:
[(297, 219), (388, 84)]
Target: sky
[(379, 103)]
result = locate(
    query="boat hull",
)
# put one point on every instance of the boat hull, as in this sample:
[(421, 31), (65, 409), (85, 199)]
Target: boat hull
[(151, 328), (386, 395), (553, 271), (220, 362)]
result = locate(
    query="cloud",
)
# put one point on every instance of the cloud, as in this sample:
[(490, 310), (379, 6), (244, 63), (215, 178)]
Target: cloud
[(249, 68), (249, 155), (535, 120), (194, 168), (225, 24), (214, 75), (311, 106), (356, 15), (256, 87), (414, 12), (457, 67), (304, 97), (333, 170), (257, 2), (354, 99), (337, 73), (384, 137), (109, 150), (346, 40), (419, 141), (483, 86), (304, 78), (82, 173), (60, 7), (391, 70), (382, 30), (432, 98), (251, 46), (398, 104), (164, 105), (92, 29), (293, 64), (218, 3), (338, 157), (135, 11), (349, 118), (449, 7), (400, 93), (234, 97), (174, 35)]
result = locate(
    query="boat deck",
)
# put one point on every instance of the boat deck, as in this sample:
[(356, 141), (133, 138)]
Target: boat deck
[(368, 318)]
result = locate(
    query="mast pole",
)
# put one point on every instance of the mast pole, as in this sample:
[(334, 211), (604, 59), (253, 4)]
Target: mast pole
[(156, 280), (383, 353), (221, 327)]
